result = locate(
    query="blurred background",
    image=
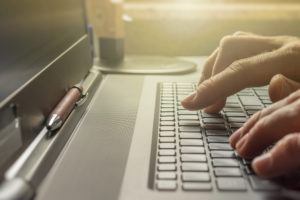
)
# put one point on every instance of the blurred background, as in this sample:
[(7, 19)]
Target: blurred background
[(194, 27)]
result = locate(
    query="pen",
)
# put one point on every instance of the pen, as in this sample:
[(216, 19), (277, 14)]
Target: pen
[(63, 108)]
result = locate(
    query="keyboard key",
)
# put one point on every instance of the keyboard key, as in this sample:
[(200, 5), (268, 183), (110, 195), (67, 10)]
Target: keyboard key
[(167, 105), (195, 167), (237, 119), (266, 101), (188, 135), (167, 146), (166, 185), (167, 134), (214, 126), (216, 132), (166, 152), (167, 175), (227, 172), (232, 105), (195, 177), (166, 167), (245, 94), (190, 129), (240, 110), (167, 159), (250, 101), (235, 114), (193, 158), (196, 186), (167, 114), (167, 110), (167, 102), (189, 123), (213, 120), (225, 162), (167, 123), (262, 184), (218, 139), (166, 94), (166, 90), (187, 112), (188, 117), (251, 112), (167, 128), (196, 150), (219, 146), (262, 92), (191, 142), (253, 107), (231, 184), (206, 115), (236, 125), (231, 100), (167, 98), (222, 154), (264, 97), (181, 108), (167, 140), (167, 118)]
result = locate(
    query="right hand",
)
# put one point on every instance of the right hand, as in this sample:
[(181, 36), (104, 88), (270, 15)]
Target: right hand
[(247, 60)]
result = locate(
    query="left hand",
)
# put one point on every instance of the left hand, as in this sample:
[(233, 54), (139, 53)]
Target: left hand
[(280, 124)]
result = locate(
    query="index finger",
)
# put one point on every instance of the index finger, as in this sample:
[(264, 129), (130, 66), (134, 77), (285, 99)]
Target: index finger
[(253, 71)]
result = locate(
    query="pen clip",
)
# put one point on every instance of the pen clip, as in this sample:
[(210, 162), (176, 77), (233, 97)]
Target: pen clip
[(82, 100)]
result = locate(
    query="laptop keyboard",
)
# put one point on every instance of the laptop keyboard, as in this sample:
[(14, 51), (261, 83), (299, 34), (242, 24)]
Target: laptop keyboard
[(193, 153)]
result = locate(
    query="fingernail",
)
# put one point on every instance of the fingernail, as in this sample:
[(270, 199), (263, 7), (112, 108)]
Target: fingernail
[(240, 143), (262, 164), (234, 138), (189, 98), (238, 132)]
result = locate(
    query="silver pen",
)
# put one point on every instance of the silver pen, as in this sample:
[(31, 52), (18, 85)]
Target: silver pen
[(64, 108)]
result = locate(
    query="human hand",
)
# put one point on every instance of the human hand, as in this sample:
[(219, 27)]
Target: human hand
[(280, 124), (246, 60)]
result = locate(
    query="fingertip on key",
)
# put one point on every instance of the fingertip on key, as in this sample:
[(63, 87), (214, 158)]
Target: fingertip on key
[(235, 137), (262, 165), (188, 100)]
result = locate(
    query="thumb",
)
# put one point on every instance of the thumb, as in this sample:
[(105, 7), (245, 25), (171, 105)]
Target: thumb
[(281, 86)]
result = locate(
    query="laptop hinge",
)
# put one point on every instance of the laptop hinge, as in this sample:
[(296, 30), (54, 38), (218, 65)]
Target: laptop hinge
[(24, 176)]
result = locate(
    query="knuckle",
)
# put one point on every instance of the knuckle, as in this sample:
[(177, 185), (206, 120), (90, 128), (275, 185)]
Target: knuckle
[(292, 49), (227, 41), (237, 33), (239, 67), (236, 65), (293, 96), (291, 52), (261, 124), (294, 46), (259, 115), (207, 83), (203, 76), (290, 143)]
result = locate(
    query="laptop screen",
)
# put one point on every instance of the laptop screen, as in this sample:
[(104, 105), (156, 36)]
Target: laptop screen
[(32, 34)]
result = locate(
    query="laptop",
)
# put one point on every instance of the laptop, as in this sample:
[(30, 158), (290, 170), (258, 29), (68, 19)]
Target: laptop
[(129, 137)]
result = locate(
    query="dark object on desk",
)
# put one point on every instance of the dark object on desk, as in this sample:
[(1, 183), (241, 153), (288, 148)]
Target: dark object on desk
[(64, 108), (112, 51)]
